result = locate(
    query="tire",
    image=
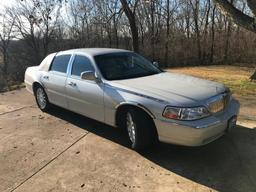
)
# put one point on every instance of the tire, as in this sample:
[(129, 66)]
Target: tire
[(140, 129), (41, 98)]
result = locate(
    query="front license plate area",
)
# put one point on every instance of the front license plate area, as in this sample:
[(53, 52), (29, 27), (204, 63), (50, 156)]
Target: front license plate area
[(231, 123)]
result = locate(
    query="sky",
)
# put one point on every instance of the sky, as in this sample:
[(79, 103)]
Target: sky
[(4, 3)]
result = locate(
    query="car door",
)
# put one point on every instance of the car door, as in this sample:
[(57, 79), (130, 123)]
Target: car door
[(54, 80), (84, 96)]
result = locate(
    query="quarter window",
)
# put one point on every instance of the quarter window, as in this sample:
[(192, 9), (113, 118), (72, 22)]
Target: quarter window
[(81, 64), (60, 63)]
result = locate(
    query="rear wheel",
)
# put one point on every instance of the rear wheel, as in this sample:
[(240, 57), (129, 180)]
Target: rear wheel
[(41, 98), (140, 128)]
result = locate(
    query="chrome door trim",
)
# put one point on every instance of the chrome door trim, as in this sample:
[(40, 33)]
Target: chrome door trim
[(137, 105)]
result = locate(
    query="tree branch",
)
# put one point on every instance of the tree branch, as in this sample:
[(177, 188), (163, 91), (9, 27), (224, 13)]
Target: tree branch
[(252, 5), (237, 16)]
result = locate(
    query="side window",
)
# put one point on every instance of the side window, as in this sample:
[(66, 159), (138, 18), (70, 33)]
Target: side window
[(60, 63), (81, 64)]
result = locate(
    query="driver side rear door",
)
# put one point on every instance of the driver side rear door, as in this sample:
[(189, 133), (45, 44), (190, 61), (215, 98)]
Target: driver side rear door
[(54, 80)]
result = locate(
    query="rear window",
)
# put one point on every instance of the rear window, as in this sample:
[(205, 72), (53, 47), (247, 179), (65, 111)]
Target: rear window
[(45, 64), (60, 63)]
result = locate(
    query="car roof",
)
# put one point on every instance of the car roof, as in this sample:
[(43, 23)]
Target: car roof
[(93, 51)]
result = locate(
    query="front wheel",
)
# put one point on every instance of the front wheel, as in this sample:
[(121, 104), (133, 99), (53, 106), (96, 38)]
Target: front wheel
[(140, 128), (42, 99)]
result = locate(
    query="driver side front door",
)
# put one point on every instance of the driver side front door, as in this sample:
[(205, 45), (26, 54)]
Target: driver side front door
[(84, 96)]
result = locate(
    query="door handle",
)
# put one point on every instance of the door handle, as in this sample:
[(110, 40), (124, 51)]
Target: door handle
[(46, 77), (72, 84)]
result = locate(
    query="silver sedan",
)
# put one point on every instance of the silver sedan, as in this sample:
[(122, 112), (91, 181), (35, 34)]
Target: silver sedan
[(123, 89)]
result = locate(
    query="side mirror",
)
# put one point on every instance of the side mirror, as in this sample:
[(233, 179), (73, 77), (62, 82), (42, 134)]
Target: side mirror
[(90, 75), (155, 63)]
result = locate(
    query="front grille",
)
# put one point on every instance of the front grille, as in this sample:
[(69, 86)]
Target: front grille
[(219, 103)]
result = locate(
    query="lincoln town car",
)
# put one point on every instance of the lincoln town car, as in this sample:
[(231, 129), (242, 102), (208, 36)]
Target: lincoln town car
[(125, 90)]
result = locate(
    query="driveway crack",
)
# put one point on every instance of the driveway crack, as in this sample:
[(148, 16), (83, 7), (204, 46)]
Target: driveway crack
[(80, 138), (7, 112)]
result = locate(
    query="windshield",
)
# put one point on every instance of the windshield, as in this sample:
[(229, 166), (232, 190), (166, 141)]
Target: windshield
[(124, 65)]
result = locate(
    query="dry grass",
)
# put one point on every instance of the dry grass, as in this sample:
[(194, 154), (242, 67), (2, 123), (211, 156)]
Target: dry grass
[(235, 77), (13, 87)]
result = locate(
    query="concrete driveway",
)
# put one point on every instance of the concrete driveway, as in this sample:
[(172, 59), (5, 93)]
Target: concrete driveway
[(62, 151)]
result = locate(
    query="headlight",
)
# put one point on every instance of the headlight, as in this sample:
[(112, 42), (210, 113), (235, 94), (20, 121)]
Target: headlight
[(181, 113)]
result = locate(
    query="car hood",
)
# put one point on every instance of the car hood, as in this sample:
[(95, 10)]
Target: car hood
[(176, 89)]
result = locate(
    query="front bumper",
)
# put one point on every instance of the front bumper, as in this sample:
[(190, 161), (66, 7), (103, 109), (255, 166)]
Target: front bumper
[(198, 132)]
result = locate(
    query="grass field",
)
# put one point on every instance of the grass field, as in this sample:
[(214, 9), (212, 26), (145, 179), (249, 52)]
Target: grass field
[(236, 78)]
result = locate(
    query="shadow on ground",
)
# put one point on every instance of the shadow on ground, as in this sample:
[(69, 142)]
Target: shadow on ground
[(227, 164)]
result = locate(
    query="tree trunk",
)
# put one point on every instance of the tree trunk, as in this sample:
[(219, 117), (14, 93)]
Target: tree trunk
[(213, 35), (132, 21), (142, 34), (253, 77), (135, 36), (187, 18), (152, 10), (197, 30), (166, 55), (227, 43), (238, 16), (5, 60), (116, 33)]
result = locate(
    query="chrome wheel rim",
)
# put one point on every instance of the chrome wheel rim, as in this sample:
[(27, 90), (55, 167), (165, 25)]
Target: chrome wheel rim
[(130, 127), (41, 98)]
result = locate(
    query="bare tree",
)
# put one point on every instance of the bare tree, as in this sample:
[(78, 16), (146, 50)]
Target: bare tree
[(242, 19), (36, 21), (237, 15), (79, 21), (212, 34), (170, 9), (6, 36), (116, 13), (195, 7), (130, 12), (166, 56), (180, 32)]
